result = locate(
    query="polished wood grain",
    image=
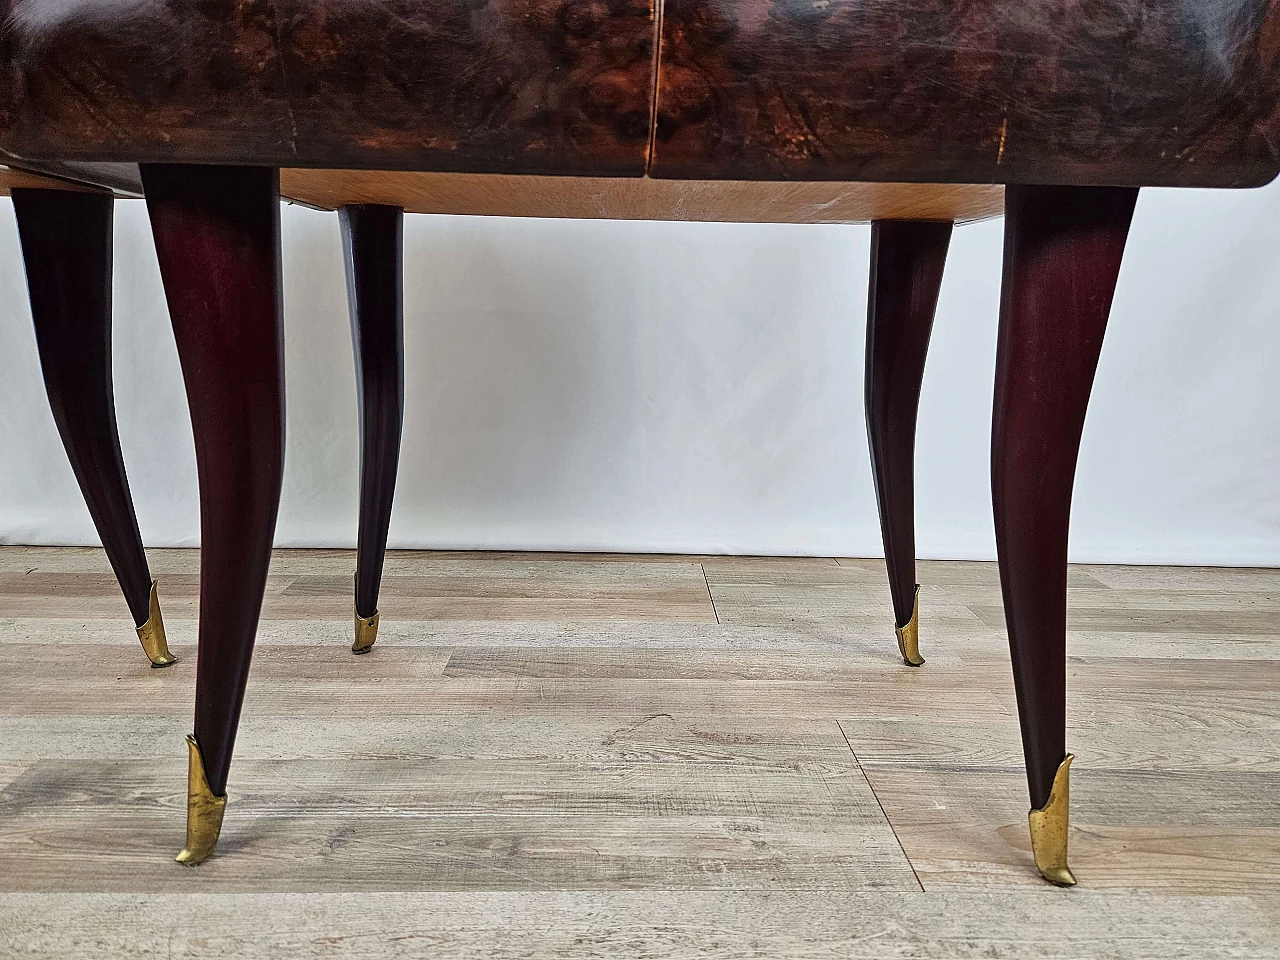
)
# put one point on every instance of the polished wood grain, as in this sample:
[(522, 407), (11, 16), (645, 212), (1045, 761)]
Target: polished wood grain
[(558, 86), (1067, 91), (1062, 252), (620, 198), (907, 261), (775, 784), (217, 236)]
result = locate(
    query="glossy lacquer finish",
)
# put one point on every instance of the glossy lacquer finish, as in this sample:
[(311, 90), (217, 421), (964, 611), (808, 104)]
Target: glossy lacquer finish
[(66, 245), (1135, 92), (372, 240), (217, 236), (907, 259), (1062, 252), (552, 86)]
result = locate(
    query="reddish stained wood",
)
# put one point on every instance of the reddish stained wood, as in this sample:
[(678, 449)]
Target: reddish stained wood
[(66, 247), (217, 236), (1062, 253), (907, 260), (373, 248)]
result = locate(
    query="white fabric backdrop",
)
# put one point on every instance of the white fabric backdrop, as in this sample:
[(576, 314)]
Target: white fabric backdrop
[(697, 387)]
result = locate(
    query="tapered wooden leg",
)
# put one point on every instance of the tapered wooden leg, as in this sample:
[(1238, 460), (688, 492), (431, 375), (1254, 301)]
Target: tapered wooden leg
[(217, 236), (1062, 252), (372, 237), (907, 259), (66, 246)]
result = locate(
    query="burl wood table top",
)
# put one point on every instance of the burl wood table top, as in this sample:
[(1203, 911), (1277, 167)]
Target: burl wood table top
[(1132, 92)]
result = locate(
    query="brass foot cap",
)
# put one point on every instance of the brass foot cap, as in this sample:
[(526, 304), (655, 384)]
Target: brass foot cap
[(1049, 827), (204, 810), (151, 633), (366, 633), (909, 635)]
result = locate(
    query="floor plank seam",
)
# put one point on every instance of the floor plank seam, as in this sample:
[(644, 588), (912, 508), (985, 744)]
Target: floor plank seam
[(710, 595), (883, 811), (572, 725)]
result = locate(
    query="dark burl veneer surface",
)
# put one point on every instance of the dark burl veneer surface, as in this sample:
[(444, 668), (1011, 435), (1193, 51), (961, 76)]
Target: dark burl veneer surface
[(1141, 92), (534, 86), (1042, 91)]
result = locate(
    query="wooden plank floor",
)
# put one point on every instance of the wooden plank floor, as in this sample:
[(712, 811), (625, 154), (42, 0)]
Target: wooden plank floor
[(621, 756)]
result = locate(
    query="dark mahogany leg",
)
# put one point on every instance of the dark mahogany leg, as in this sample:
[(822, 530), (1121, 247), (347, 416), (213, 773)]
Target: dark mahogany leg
[(1062, 252), (217, 236), (372, 240), (66, 245), (907, 258)]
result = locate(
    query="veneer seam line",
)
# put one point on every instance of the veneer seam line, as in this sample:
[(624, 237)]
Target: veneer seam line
[(655, 78)]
